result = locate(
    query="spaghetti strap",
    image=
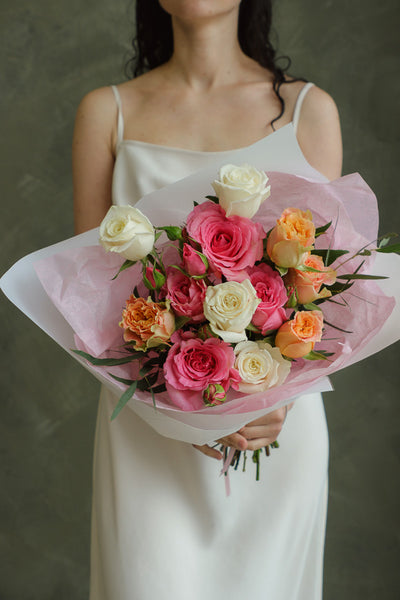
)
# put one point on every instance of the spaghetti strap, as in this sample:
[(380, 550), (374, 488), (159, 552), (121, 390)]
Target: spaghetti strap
[(299, 102), (120, 130)]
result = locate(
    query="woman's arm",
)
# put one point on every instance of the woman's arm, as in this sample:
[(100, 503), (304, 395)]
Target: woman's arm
[(93, 158), (319, 135)]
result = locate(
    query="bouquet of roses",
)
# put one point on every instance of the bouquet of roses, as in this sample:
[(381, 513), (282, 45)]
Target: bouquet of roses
[(227, 313), (229, 304), (224, 305)]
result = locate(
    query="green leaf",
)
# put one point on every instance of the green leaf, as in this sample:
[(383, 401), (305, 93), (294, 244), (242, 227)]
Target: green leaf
[(385, 239), (126, 396), (158, 389), (306, 269), (179, 269), (282, 270), (339, 288), (395, 248), (146, 368), (203, 258), (153, 397), (108, 362), (213, 199), (156, 360), (328, 255), (311, 306), (251, 327), (125, 265), (180, 321), (336, 327), (195, 203), (122, 380), (159, 278), (292, 299), (321, 355), (350, 276), (173, 232), (320, 230), (146, 280)]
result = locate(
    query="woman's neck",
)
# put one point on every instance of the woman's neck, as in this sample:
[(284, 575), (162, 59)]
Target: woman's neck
[(206, 52)]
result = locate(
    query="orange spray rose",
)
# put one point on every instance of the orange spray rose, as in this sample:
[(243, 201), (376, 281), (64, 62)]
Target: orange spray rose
[(297, 337), (147, 323), (291, 238), (308, 283)]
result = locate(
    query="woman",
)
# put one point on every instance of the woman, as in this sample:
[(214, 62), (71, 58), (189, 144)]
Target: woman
[(161, 525)]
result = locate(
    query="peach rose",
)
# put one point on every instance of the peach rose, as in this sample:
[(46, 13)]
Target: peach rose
[(297, 337), (291, 238), (146, 323), (308, 283)]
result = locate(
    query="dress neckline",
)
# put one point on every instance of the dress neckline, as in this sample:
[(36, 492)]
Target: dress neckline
[(204, 152)]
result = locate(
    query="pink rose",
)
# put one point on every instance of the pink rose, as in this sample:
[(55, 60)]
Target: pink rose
[(186, 295), (193, 364), (269, 286), (231, 244), (192, 261)]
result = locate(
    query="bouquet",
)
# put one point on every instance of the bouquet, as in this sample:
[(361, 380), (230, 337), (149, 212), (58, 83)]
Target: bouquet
[(216, 321)]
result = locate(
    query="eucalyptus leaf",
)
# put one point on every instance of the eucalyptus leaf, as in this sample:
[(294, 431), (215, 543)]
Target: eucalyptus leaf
[(328, 255), (350, 276), (213, 199), (313, 355), (145, 369), (336, 327), (126, 396), (158, 389), (393, 248), (385, 239), (320, 230), (108, 362), (122, 380)]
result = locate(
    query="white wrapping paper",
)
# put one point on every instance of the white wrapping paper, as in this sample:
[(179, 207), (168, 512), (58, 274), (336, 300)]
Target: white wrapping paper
[(209, 424)]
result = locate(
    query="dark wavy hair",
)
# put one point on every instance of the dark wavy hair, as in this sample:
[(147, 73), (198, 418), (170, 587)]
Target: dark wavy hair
[(153, 44)]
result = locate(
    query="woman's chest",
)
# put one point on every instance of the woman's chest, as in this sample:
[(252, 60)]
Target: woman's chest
[(207, 122)]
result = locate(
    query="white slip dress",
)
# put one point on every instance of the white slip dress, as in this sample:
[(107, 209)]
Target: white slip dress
[(162, 525)]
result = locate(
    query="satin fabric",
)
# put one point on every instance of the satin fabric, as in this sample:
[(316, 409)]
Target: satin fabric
[(162, 525)]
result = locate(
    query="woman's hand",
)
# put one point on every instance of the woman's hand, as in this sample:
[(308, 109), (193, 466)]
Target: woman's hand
[(254, 435)]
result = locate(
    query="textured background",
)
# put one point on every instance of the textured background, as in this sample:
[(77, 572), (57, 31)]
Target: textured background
[(52, 53)]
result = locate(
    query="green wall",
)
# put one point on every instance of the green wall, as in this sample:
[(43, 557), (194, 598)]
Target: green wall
[(52, 53)]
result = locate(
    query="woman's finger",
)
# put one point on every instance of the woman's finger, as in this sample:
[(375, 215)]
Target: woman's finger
[(259, 443), (234, 440), (261, 431), (212, 452)]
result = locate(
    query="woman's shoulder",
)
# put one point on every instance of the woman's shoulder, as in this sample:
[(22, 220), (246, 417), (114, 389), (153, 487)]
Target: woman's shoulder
[(317, 103), (318, 127)]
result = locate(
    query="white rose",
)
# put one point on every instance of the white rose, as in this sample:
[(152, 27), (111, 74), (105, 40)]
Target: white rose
[(241, 190), (260, 366), (127, 231), (229, 308)]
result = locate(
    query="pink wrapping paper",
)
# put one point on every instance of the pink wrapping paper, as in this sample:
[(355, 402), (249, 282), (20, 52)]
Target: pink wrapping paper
[(78, 282)]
